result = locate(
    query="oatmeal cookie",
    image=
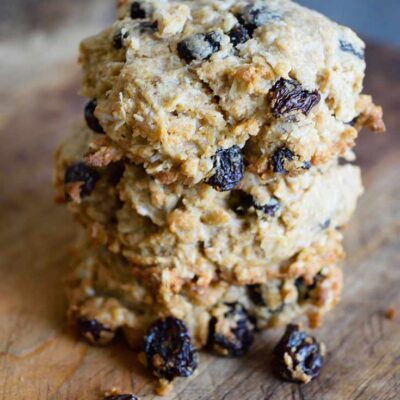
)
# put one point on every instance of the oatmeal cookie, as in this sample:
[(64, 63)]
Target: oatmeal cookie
[(176, 83), (108, 293), (258, 224)]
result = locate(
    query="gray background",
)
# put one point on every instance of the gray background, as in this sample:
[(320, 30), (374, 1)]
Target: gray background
[(373, 19)]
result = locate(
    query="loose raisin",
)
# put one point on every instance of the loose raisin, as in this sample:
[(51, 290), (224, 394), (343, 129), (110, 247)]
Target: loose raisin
[(280, 158), (232, 333), (137, 11), (91, 120), (94, 331), (288, 95), (199, 46), (253, 16), (118, 40), (229, 169), (122, 397), (298, 357), (81, 173), (349, 48), (239, 34), (169, 350)]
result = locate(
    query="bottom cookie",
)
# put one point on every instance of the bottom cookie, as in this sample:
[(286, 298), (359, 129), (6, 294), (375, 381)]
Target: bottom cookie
[(107, 294)]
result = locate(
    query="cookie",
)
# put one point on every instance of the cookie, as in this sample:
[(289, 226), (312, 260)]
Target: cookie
[(113, 294), (180, 82), (243, 231)]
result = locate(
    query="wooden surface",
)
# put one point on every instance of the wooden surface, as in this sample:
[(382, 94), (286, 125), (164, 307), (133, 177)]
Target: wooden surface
[(41, 359)]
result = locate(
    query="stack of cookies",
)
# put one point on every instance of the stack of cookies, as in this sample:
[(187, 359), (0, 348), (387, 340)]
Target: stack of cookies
[(212, 174)]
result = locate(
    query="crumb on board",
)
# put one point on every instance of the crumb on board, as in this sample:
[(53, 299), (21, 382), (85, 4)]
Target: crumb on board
[(391, 313), (164, 387)]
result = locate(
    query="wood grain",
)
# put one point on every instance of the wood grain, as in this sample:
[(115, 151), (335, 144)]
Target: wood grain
[(40, 358)]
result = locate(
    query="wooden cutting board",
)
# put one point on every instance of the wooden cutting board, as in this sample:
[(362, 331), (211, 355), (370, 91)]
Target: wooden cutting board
[(40, 358)]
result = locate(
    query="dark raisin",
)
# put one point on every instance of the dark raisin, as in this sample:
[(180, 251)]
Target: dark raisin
[(240, 202), (326, 224), (115, 172), (298, 357), (137, 11), (94, 331), (306, 165), (91, 120), (118, 40), (148, 27), (229, 169), (288, 95), (169, 350), (232, 333), (280, 158), (122, 397), (199, 46), (270, 209), (255, 294), (354, 121), (83, 174), (349, 48), (252, 17), (239, 34)]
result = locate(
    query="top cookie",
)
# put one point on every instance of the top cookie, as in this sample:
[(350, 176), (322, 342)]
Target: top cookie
[(201, 90)]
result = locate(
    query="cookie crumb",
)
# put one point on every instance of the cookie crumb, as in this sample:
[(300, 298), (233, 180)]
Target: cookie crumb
[(164, 387), (391, 313)]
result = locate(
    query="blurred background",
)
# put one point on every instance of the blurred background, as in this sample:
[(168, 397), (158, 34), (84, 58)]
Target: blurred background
[(373, 19)]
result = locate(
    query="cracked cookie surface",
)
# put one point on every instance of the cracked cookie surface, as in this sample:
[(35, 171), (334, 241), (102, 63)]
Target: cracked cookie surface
[(189, 79), (243, 232)]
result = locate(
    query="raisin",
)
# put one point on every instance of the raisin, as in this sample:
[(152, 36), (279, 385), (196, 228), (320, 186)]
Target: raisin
[(240, 202), (298, 357), (137, 12), (239, 34), (148, 27), (255, 294), (199, 46), (288, 95), (118, 40), (270, 209), (91, 120), (354, 121), (280, 158), (326, 224), (169, 350), (94, 331), (252, 17), (229, 169), (349, 48), (232, 333), (122, 397), (83, 174)]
